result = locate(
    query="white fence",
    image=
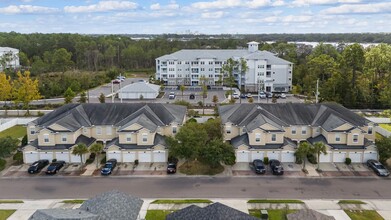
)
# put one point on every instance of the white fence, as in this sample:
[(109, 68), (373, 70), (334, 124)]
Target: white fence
[(18, 113), (10, 122)]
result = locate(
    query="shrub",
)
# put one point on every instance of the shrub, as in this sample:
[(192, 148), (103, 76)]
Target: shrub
[(54, 160), (299, 160), (266, 160), (171, 159), (89, 161), (103, 161), (18, 157), (192, 120), (39, 114), (230, 160), (182, 102), (2, 164), (348, 161), (24, 140), (136, 162), (311, 158)]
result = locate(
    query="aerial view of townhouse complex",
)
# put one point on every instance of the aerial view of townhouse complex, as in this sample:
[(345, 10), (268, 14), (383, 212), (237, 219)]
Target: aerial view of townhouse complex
[(125, 112)]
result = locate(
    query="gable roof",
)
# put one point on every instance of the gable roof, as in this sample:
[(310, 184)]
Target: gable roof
[(61, 214), (215, 211), (140, 87), (114, 205)]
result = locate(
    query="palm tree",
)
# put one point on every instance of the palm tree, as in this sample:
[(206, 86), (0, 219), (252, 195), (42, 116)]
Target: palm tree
[(302, 151), (243, 70), (318, 148), (182, 88), (97, 150), (228, 69), (80, 150)]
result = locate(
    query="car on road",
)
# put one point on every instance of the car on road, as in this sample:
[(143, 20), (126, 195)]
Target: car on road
[(379, 169), (276, 167), (259, 167), (262, 95), (54, 167), (171, 168), (235, 96), (243, 96), (116, 81), (37, 166), (109, 167), (171, 95)]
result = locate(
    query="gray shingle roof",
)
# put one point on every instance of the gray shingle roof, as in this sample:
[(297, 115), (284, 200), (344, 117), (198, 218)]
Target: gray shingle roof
[(321, 138), (63, 214), (114, 205), (215, 211), (308, 214), (88, 141)]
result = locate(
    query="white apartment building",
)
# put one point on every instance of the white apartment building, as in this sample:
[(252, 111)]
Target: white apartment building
[(265, 70), (9, 57)]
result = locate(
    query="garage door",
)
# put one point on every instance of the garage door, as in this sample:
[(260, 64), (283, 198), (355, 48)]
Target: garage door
[(273, 155), (128, 156), (356, 157), (159, 156), (62, 156), (256, 155), (325, 158), (339, 157), (30, 156), (370, 155), (242, 156), (75, 158), (114, 155), (288, 156), (46, 156), (144, 157)]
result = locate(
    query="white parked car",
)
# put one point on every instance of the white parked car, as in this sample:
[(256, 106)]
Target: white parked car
[(171, 95), (283, 96), (121, 78), (262, 95), (235, 96), (248, 95)]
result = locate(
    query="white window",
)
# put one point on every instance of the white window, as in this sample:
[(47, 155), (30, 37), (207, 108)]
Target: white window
[(98, 130), (228, 129), (303, 130), (355, 138), (370, 130), (46, 138), (293, 129), (317, 130), (274, 137), (257, 137), (210, 62), (32, 130), (128, 137), (179, 62), (174, 129), (85, 130), (145, 137), (202, 62), (337, 137), (64, 138), (109, 130)]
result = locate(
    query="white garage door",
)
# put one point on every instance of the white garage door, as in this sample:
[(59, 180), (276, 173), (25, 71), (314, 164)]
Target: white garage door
[(114, 155), (75, 158), (242, 156), (30, 156), (256, 155), (339, 157), (370, 155), (325, 158), (144, 157), (159, 156), (273, 155), (62, 156), (46, 156), (128, 156), (355, 157), (288, 156)]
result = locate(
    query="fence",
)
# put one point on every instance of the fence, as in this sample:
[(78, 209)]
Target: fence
[(21, 113), (10, 122)]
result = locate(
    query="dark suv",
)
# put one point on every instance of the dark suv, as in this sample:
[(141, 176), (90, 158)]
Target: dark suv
[(259, 167), (37, 166), (109, 167), (171, 168), (276, 167), (379, 169), (54, 167)]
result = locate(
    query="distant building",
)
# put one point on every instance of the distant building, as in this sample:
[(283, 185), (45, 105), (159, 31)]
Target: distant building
[(139, 90), (9, 58), (265, 70)]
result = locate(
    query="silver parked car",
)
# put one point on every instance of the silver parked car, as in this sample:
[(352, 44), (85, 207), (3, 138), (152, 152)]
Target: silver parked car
[(379, 169)]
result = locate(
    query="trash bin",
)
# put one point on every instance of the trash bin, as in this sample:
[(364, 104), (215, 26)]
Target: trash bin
[(264, 215)]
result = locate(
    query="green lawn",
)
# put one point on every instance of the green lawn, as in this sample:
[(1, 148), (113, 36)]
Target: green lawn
[(274, 201), (181, 201), (386, 126), (4, 214), (274, 214), (351, 202), (17, 131), (74, 201), (363, 215), (198, 168), (11, 201), (157, 214)]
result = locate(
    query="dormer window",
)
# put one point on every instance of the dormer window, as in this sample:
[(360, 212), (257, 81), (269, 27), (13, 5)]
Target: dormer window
[(337, 137), (32, 130), (174, 129), (128, 138), (228, 129), (303, 130), (293, 130), (98, 130), (145, 137), (274, 137), (355, 138), (370, 130), (46, 138), (257, 137), (64, 138)]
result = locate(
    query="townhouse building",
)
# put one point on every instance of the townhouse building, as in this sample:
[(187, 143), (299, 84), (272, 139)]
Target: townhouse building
[(128, 131), (275, 131), (265, 70)]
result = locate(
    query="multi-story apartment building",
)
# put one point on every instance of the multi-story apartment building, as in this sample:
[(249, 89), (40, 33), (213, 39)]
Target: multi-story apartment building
[(265, 70), (128, 131), (9, 58), (275, 130)]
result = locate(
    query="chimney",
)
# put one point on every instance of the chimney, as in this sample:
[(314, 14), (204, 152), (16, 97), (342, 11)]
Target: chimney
[(252, 46)]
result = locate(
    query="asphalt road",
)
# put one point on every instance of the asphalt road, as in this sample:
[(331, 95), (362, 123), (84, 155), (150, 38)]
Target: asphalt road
[(198, 187)]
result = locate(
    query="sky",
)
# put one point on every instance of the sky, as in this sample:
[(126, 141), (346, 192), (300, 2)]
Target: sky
[(195, 16)]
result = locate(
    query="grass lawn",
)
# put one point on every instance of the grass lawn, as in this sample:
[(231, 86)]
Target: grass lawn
[(157, 214), (17, 131), (4, 214), (386, 126), (351, 202), (274, 201), (199, 168), (364, 215), (74, 201), (11, 201), (274, 214), (181, 201)]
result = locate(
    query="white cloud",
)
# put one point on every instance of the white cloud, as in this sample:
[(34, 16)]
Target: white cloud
[(258, 3), (18, 9), (102, 6), (171, 6), (220, 4), (278, 3), (359, 9), (287, 19), (212, 15), (322, 2)]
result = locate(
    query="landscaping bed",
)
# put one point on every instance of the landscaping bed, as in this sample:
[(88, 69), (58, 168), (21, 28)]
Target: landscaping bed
[(157, 214), (363, 215), (11, 201), (4, 214), (274, 214), (74, 201), (274, 201), (351, 202), (198, 168), (181, 201)]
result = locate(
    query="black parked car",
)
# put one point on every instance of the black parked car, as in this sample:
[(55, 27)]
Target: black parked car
[(259, 167), (37, 166), (55, 166), (276, 167), (379, 169), (109, 167), (171, 168)]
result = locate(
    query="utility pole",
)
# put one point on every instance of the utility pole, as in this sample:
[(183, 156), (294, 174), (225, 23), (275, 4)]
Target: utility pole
[(120, 81), (317, 92), (112, 91)]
